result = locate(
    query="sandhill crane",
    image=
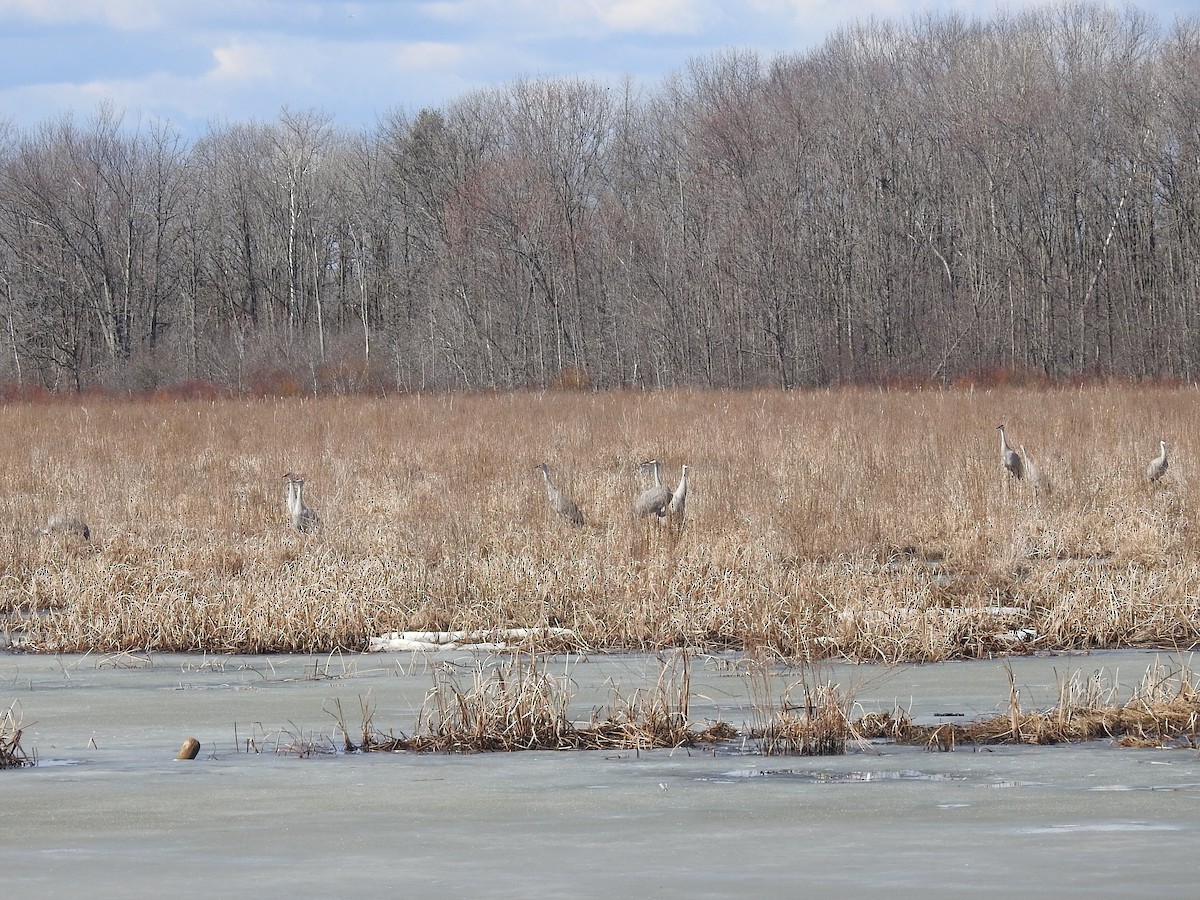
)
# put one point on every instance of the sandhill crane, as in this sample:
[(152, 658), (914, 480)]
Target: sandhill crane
[(560, 502), (303, 518), (1158, 466), (675, 509), (655, 500), (66, 525), (1034, 475), (1009, 457)]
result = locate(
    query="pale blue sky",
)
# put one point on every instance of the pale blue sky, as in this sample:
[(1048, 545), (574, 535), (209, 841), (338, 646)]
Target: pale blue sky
[(198, 62)]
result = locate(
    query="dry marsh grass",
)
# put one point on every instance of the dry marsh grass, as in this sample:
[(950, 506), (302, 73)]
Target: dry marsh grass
[(1163, 710), (810, 717), (520, 705), (846, 523), (517, 703)]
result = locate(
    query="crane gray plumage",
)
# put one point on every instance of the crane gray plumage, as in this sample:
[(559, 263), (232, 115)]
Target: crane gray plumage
[(66, 525), (677, 507), (303, 517), (1009, 457), (1158, 466), (1034, 475), (655, 500), (560, 502)]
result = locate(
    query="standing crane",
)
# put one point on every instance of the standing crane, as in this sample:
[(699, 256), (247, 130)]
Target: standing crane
[(1158, 466), (1009, 457), (676, 508), (559, 502), (1037, 479), (303, 518), (654, 500)]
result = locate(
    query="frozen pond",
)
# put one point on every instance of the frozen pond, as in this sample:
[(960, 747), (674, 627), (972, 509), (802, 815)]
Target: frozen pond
[(108, 812)]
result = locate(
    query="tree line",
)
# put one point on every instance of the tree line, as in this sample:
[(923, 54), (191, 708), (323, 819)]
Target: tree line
[(927, 200)]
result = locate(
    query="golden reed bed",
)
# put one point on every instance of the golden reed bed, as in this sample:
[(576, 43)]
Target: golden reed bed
[(847, 523)]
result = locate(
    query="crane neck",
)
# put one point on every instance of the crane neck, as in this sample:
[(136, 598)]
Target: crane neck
[(294, 501)]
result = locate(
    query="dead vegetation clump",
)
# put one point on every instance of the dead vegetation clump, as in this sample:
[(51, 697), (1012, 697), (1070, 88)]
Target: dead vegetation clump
[(11, 754), (519, 705), (816, 727), (516, 706), (809, 717), (1163, 711)]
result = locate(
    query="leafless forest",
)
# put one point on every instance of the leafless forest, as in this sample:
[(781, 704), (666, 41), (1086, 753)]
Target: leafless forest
[(925, 200)]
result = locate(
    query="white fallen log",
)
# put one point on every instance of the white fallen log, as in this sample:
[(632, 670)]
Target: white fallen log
[(486, 641), (1018, 636)]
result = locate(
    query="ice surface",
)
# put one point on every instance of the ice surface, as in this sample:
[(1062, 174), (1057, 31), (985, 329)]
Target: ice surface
[(110, 812)]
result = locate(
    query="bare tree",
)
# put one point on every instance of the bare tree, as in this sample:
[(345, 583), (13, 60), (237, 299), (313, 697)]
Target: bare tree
[(931, 199)]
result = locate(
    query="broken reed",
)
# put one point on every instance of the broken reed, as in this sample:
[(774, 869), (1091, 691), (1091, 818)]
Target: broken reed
[(853, 523)]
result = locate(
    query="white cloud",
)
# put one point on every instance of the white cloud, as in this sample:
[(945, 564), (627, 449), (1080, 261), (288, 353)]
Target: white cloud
[(145, 15), (355, 82), (578, 17), (451, 10), (426, 55), (820, 13), (321, 64), (242, 62), (203, 60), (123, 14), (824, 13), (654, 16)]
